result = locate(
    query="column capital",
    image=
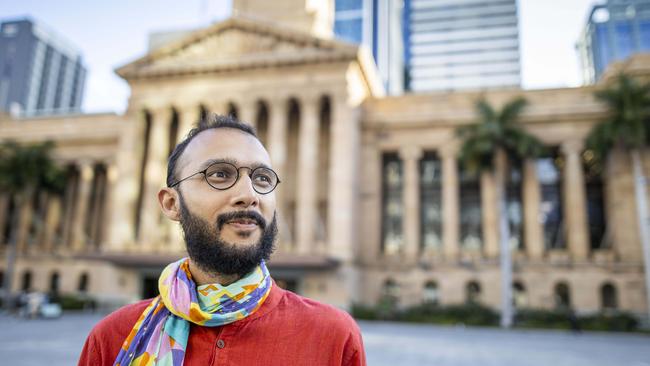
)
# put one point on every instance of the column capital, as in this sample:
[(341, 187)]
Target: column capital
[(449, 150), (574, 146), (410, 152)]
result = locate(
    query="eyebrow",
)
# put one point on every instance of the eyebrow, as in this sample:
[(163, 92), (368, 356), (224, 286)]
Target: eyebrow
[(234, 162)]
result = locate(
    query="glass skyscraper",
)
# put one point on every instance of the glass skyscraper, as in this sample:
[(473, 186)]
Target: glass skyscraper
[(427, 45), (614, 31), (461, 44), (377, 24), (41, 73)]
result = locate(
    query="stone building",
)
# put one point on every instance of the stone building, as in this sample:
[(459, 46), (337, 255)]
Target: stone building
[(372, 202)]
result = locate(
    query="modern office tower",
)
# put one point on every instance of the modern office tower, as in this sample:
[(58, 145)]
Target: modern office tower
[(461, 44), (41, 73), (378, 25), (614, 31)]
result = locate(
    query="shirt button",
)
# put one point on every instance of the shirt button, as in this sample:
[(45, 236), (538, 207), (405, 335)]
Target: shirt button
[(221, 343)]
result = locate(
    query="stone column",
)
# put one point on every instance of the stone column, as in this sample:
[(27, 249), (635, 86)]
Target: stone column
[(278, 125), (575, 201), (52, 220), (248, 112), (188, 119), (450, 202), (82, 203), (26, 214), (411, 155), (533, 230), (343, 180), (489, 215), (277, 147), (307, 203), (218, 107), (154, 178)]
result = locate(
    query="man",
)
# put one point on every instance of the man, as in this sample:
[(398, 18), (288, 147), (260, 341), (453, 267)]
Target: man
[(220, 306)]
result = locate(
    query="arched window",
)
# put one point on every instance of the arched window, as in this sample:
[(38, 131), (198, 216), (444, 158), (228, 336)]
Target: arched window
[(83, 282), (430, 294), (54, 282), (519, 298), (472, 292), (390, 293), (262, 122), (232, 111), (608, 297), (562, 296), (26, 284)]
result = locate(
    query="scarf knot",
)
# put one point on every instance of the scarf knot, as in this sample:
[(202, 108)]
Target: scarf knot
[(160, 335)]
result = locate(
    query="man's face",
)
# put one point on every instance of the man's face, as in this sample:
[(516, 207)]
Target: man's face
[(226, 231)]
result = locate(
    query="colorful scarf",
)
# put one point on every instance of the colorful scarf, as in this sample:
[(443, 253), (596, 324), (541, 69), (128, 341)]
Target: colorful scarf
[(160, 335)]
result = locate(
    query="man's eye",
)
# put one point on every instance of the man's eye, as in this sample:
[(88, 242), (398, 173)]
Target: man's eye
[(219, 174), (263, 178)]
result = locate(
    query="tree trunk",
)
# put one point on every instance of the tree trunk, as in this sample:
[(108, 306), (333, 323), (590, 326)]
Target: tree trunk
[(642, 214), (505, 260), (11, 253)]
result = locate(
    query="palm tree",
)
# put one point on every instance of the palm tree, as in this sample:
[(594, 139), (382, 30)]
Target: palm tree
[(489, 145), (627, 127), (24, 170)]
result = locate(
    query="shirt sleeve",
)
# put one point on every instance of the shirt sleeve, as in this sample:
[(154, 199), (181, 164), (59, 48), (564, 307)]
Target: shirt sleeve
[(354, 354), (91, 355)]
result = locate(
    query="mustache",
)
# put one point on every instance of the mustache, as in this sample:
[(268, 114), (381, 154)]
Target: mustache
[(251, 215)]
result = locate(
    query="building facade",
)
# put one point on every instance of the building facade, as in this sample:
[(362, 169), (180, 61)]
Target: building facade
[(461, 45), (42, 73), (373, 201), (614, 31)]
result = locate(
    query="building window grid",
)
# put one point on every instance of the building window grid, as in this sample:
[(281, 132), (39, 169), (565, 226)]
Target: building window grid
[(549, 170), (392, 205), (514, 206), (470, 210), (430, 202)]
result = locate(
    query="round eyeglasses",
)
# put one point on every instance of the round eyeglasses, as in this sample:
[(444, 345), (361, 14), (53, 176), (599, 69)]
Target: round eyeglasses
[(224, 175)]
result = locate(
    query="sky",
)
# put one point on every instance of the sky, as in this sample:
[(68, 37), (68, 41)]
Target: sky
[(112, 33)]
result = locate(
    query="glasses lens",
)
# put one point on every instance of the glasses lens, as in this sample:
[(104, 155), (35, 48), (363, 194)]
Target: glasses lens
[(264, 180), (221, 175)]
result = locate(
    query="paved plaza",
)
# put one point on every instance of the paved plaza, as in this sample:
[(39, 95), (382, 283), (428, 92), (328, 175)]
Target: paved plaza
[(58, 343)]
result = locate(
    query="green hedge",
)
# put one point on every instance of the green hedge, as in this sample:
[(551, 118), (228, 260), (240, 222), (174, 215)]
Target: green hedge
[(75, 302), (480, 315)]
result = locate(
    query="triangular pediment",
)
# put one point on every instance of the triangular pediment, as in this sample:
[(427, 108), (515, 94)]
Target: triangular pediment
[(235, 44)]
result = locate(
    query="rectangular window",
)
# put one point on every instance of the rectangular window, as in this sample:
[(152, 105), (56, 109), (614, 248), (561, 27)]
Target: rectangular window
[(340, 5), (514, 205), (549, 172), (644, 35), (392, 205), (593, 171), (471, 236), (349, 30), (431, 202), (624, 40)]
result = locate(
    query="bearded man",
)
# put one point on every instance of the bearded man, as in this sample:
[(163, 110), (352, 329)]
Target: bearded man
[(220, 306)]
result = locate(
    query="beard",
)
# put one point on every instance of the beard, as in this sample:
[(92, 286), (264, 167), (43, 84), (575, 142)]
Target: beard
[(214, 255)]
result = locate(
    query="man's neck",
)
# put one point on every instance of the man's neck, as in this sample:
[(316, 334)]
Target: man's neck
[(204, 278)]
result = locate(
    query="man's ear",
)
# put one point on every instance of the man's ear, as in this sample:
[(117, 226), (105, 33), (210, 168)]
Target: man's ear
[(169, 203)]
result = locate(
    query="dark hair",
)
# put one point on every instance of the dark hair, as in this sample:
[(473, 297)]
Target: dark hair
[(208, 122)]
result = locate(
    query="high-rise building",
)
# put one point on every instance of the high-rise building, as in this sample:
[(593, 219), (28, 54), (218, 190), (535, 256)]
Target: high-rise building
[(42, 73), (461, 44), (378, 25), (614, 31)]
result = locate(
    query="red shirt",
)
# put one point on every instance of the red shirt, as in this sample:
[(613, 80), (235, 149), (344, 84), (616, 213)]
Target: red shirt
[(287, 329)]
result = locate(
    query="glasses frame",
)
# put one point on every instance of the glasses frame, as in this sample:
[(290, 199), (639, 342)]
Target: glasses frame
[(251, 171)]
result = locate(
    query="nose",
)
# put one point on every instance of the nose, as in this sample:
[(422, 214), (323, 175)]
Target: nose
[(244, 196)]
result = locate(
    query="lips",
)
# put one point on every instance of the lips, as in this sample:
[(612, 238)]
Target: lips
[(243, 222)]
